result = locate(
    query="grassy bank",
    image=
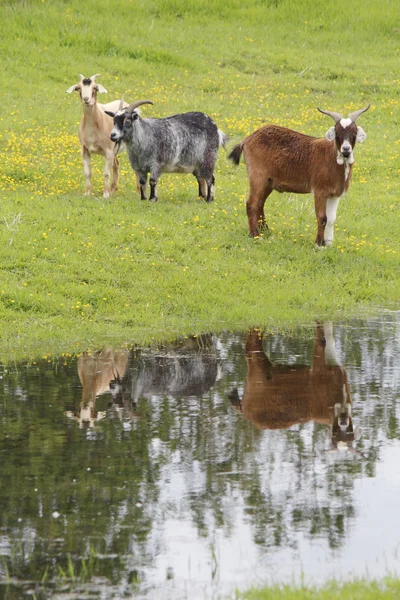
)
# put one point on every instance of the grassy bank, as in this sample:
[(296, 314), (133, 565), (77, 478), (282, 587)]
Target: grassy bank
[(357, 590), (78, 272)]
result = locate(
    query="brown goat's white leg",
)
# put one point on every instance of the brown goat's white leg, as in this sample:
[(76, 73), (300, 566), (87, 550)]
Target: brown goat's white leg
[(87, 170), (331, 208), (115, 169)]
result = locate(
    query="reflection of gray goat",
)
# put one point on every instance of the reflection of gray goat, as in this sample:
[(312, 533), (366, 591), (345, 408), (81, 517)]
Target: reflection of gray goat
[(184, 143), (189, 369)]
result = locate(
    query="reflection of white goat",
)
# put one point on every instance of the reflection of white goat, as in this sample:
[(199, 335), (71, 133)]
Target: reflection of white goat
[(95, 130), (98, 374)]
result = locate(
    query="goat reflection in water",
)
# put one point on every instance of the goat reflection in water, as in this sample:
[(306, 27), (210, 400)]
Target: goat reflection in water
[(278, 396), (185, 368), (98, 374)]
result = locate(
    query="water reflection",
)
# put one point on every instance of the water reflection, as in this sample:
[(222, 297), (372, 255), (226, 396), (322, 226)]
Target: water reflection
[(279, 396), (99, 373), (200, 466), (188, 367)]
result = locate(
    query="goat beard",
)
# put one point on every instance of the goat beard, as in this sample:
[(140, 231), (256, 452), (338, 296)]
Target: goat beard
[(118, 147)]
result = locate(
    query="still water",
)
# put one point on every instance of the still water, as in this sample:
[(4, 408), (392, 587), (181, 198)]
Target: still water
[(196, 468)]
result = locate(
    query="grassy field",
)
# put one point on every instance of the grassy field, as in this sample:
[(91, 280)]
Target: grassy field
[(358, 590), (79, 272)]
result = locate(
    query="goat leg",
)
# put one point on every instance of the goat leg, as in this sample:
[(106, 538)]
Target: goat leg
[(142, 185), (211, 189), (114, 183), (153, 185), (87, 170), (320, 212), (107, 173)]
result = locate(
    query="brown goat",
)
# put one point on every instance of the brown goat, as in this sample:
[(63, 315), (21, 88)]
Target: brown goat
[(287, 161), (278, 396)]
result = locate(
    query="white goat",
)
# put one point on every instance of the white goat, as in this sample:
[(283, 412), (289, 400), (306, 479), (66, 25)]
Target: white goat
[(94, 132)]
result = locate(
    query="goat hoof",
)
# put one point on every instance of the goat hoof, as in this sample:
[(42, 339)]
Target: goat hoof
[(154, 199), (106, 195)]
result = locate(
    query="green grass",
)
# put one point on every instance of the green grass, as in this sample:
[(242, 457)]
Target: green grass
[(357, 590), (78, 272)]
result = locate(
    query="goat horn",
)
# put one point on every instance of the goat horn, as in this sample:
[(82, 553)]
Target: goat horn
[(335, 115), (81, 76), (132, 107), (354, 115), (121, 104), (93, 77)]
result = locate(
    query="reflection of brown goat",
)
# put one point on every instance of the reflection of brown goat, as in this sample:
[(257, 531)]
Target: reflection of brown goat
[(96, 373), (278, 396)]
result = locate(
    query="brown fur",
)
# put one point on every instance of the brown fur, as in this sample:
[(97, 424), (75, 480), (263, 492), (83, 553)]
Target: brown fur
[(287, 161), (278, 396)]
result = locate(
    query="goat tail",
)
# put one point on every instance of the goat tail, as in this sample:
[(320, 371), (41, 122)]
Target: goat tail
[(223, 138), (236, 153)]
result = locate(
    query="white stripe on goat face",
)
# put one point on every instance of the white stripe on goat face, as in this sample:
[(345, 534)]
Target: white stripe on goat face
[(87, 93), (345, 122), (346, 149)]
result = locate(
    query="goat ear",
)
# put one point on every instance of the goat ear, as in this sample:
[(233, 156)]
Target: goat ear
[(330, 134), (73, 88), (110, 114), (101, 89), (361, 135)]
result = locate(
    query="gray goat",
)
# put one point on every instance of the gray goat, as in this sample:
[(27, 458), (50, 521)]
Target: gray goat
[(184, 143)]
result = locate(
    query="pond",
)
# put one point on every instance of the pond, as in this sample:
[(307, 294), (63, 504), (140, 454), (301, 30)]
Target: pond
[(195, 468)]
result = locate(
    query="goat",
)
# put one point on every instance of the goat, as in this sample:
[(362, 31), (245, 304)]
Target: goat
[(279, 396), (98, 374), (287, 161), (182, 143), (94, 132), (185, 368)]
